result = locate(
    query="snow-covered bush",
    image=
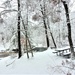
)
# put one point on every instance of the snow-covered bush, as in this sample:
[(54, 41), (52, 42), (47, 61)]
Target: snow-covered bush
[(66, 67)]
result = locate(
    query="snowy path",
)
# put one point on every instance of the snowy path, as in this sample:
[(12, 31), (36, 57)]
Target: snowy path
[(39, 64)]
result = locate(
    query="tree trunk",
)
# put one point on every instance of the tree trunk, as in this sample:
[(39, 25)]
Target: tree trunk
[(44, 22), (30, 48), (51, 34), (19, 43), (27, 38), (27, 46), (25, 28), (69, 28), (47, 39), (53, 40)]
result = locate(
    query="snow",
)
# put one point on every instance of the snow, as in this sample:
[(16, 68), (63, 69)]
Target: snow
[(43, 63), (4, 47), (36, 65), (40, 64), (67, 47), (72, 5)]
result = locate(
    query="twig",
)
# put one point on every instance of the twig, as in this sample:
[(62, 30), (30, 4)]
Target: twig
[(66, 67), (10, 63), (58, 69), (69, 67)]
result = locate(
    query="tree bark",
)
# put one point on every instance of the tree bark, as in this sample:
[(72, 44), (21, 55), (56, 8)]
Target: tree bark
[(19, 36), (51, 34), (69, 28), (44, 22), (30, 47), (47, 39), (27, 38)]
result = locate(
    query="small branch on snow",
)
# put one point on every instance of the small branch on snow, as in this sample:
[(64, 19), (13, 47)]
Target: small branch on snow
[(66, 67), (10, 63)]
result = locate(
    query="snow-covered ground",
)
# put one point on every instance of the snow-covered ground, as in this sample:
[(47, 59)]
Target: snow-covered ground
[(4, 47), (43, 63)]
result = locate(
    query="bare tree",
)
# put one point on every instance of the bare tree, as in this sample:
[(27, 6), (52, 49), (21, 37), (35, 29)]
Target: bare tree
[(27, 40), (18, 25), (69, 27), (44, 22), (51, 33), (25, 26)]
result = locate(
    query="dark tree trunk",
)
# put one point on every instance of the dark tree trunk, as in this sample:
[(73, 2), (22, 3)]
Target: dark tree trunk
[(44, 22), (51, 34), (69, 27), (47, 39), (53, 40), (19, 43)]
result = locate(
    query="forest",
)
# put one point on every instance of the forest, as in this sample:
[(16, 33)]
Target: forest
[(37, 37)]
